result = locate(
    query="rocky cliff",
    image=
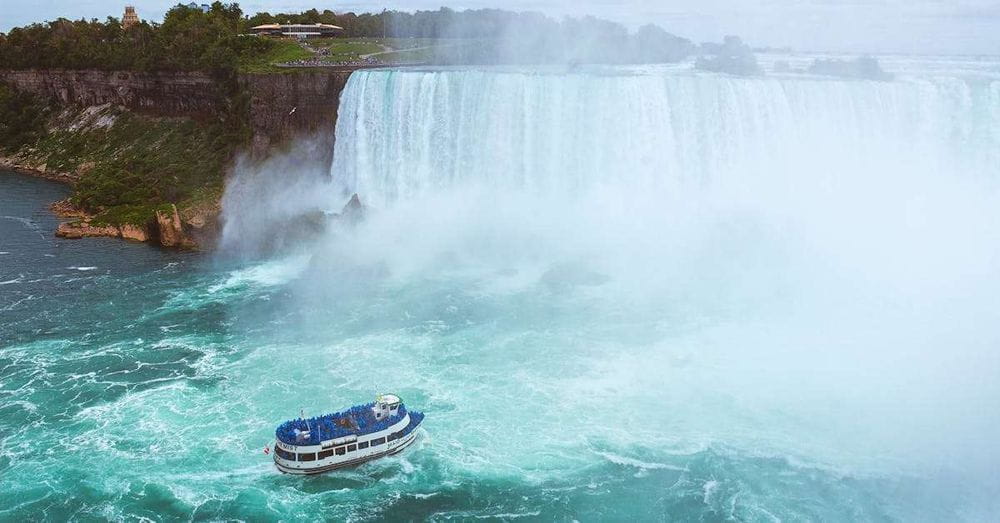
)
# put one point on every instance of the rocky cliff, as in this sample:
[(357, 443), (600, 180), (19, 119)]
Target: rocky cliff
[(194, 95), (283, 106)]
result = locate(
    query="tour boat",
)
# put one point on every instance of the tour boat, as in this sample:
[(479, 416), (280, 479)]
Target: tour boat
[(343, 439)]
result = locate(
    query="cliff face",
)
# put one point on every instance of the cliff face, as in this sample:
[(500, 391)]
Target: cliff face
[(285, 105), (194, 95), (281, 107)]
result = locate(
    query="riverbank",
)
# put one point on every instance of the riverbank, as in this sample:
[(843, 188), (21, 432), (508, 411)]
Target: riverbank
[(17, 165), (166, 228)]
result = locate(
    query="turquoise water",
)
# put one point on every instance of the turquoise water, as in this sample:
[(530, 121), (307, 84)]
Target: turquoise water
[(696, 332)]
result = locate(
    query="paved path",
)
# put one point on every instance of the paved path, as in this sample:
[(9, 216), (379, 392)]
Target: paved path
[(391, 50), (385, 50)]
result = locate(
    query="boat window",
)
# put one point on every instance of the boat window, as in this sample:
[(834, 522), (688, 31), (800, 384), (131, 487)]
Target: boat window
[(378, 441), (352, 448), (325, 454), (307, 457), (393, 436), (284, 454), (362, 445), (341, 451)]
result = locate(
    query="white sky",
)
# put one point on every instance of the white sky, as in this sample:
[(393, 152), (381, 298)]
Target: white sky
[(878, 26)]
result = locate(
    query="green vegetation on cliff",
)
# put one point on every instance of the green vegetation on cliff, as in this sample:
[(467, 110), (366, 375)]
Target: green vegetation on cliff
[(22, 119), (129, 165), (280, 51), (140, 163)]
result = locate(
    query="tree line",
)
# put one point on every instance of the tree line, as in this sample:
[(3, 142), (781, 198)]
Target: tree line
[(501, 36), (189, 39)]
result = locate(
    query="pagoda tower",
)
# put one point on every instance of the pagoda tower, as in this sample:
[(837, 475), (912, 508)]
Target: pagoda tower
[(130, 17)]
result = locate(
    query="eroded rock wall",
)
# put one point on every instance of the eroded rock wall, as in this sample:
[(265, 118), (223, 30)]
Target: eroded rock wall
[(281, 106), (193, 95), (284, 106)]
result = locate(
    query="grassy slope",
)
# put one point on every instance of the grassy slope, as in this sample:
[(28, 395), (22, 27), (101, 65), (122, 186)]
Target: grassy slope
[(137, 164), (393, 50), (282, 51), (342, 49), (409, 56), (348, 48)]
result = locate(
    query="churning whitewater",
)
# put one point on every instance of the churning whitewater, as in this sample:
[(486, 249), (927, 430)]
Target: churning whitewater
[(617, 293)]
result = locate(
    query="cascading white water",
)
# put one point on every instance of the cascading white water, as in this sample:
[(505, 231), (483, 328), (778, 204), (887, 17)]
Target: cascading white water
[(725, 294), (403, 134), (645, 174)]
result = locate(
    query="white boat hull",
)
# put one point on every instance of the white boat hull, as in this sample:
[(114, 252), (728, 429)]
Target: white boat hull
[(321, 467)]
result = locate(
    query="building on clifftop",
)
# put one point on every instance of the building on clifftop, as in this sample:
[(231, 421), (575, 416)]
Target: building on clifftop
[(297, 30), (130, 18)]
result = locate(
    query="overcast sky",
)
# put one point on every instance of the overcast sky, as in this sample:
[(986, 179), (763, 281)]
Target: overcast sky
[(879, 26)]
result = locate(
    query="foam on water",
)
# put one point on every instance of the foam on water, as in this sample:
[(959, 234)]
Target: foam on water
[(275, 272)]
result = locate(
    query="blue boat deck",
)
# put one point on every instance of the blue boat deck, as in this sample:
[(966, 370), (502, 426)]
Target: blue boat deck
[(355, 421)]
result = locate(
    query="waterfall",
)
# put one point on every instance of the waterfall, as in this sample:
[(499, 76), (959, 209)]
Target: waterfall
[(406, 133)]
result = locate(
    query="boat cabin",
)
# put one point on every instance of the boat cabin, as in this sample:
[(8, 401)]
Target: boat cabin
[(386, 405)]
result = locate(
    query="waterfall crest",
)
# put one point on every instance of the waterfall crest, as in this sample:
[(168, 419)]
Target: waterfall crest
[(401, 134)]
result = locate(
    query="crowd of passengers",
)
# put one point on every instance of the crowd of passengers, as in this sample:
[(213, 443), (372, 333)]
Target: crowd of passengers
[(360, 420)]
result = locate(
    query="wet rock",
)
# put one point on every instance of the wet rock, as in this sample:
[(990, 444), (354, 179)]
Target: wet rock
[(76, 230), (134, 233), (65, 209), (170, 230), (353, 212)]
